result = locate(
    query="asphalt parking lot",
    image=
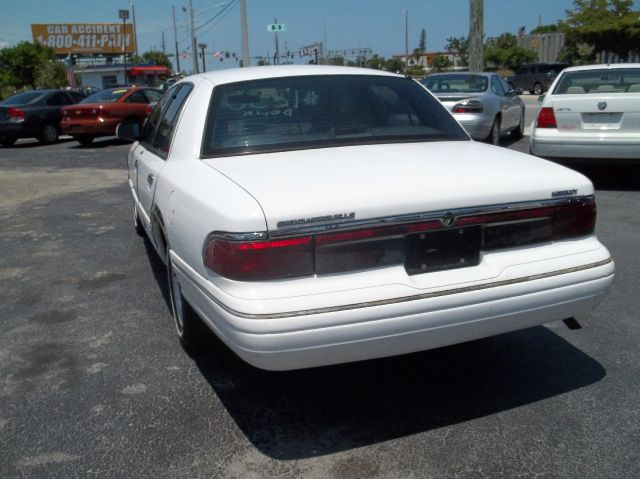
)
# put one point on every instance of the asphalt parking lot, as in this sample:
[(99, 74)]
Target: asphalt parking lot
[(93, 381)]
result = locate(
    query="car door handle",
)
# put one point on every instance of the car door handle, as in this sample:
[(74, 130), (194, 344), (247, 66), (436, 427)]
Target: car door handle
[(150, 179), (135, 164)]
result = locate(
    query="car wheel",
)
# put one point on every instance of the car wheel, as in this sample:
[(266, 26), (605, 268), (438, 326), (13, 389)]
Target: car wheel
[(137, 225), (191, 330), (84, 140), (494, 135), (7, 142), (519, 131), (48, 134), (537, 89)]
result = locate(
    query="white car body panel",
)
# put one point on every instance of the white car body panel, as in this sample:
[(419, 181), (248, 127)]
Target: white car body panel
[(578, 135), (318, 320), (376, 181)]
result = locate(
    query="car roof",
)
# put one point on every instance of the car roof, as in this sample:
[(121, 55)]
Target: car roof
[(604, 66), (233, 75)]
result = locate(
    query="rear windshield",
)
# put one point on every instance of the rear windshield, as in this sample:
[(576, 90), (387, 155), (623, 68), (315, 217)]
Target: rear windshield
[(456, 83), (105, 96), (24, 98), (280, 114), (612, 80)]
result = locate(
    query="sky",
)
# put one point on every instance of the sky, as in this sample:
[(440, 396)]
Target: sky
[(345, 24)]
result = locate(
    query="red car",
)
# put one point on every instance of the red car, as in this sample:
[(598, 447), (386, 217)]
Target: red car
[(100, 113)]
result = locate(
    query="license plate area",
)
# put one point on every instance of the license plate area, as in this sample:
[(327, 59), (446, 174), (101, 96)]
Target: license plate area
[(601, 121), (440, 250)]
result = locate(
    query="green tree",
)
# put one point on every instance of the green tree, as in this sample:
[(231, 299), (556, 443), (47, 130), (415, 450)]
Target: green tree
[(460, 45), (394, 65), (22, 63), (441, 63), (607, 25), (505, 53), (552, 28), (422, 46), (376, 62), (153, 56), (52, 74)]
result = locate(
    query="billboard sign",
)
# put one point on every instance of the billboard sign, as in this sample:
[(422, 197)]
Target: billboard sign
[(85, 38)]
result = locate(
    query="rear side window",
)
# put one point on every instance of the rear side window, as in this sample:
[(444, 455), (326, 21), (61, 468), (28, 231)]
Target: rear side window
[(58, 99), (167, 125), (137, 97), (151, 125), (280, 114)]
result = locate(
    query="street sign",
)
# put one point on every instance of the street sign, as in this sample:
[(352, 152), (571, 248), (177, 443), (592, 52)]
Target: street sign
[(185, 55), (123, 14), (276, 27)]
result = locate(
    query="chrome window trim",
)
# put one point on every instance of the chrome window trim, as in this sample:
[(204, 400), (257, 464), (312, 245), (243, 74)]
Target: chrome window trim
[(298, 230)]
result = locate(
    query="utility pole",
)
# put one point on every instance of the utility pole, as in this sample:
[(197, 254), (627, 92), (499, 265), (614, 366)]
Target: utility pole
[(175, 37), (135, 28), (163, 49), (194, 45), (406, 40), (476, 21), (244, 35), (202, 46), (276, 58)]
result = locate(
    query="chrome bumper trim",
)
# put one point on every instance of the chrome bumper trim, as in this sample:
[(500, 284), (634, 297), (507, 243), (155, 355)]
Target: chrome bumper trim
[(403, 299)]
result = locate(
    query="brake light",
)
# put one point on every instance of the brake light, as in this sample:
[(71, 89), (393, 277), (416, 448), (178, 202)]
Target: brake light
[(546, 118), (148, 109), (468, 106), (257, 260), (368, 248), (102, 113), (16, 115), (574, 220)]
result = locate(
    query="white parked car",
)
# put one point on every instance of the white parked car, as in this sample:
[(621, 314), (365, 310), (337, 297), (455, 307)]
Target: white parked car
[(315, 215), (590, 112)]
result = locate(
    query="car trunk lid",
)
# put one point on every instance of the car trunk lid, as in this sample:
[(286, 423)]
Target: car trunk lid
[(610, 113), (342, 184)]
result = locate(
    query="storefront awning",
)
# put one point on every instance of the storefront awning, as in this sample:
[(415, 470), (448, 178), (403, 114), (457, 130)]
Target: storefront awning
[(148, 70)]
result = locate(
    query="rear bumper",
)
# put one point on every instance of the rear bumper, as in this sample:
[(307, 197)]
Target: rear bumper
[(312, 338), (13, 130), (478, 126), (93, 128), (552, 143)]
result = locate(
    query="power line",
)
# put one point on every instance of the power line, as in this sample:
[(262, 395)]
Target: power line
[(222, 13)]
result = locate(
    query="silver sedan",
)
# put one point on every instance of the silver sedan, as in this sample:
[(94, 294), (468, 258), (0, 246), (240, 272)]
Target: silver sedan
[(482, 103)]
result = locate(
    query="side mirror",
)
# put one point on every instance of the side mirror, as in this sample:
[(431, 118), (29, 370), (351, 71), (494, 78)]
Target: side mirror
[(128, 131)]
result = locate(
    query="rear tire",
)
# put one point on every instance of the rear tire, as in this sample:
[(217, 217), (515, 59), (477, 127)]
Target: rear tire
[(48, 135), (8, 142), (494, 135), (137, 225), (192, 333), (519, 131)]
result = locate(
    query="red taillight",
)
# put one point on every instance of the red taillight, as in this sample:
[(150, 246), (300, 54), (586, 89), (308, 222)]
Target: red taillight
[(468, 106), (378, 247), (258, 260), (546, 118), (102, 113), (148, 109), (16, 115), (574, 220)]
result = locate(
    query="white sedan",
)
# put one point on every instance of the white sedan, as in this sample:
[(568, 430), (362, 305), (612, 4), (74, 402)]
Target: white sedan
[(314, 215), (590, 111)]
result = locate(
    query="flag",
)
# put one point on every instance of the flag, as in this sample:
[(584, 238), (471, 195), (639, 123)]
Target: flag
[(71, 78)]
